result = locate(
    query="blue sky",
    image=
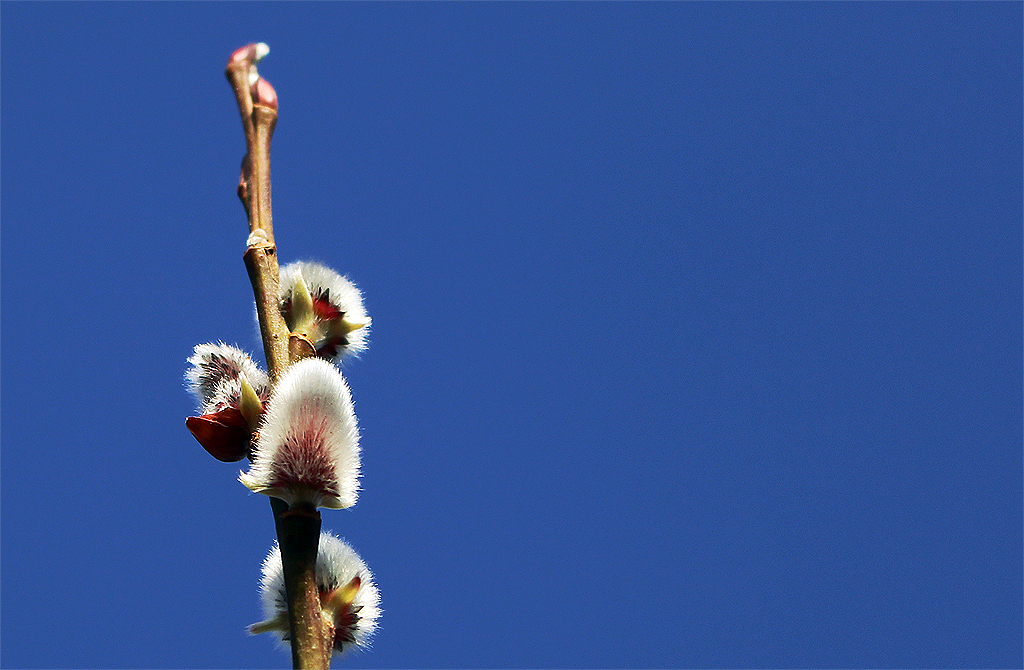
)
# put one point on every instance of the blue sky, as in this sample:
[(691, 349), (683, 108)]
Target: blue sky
[(696, 328)]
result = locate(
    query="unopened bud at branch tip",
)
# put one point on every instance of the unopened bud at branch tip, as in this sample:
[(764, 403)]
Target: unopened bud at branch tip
[(252, 53)]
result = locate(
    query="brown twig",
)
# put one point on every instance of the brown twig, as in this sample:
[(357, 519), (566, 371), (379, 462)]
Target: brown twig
[(298, 535), (257, 105), (298, 532)]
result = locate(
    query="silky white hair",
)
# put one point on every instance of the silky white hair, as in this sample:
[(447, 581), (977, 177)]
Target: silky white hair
[(336, 289), (337, 564), (308, 447), (215, 376)]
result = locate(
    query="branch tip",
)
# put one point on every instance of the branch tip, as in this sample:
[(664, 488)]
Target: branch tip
[(250, 53)]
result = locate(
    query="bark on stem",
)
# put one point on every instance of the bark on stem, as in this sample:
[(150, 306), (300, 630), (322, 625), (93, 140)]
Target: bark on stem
[(261, 256), (298, 531), (261, 263), (264, 120)]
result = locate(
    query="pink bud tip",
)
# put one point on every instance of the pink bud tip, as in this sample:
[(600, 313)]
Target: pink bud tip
[(263, 94), (252, 53)]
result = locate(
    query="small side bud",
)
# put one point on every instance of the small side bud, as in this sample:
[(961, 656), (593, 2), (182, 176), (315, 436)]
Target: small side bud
[(308, 447), (349, 599), (244, 175), (262, 92)]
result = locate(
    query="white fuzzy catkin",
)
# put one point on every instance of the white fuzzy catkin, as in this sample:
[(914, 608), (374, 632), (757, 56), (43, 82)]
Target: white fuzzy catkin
[(326, 284), (215, 376), (337, 564), (308, 448)]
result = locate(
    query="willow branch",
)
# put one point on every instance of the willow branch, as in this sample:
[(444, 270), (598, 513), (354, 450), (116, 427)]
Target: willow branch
[(298, 531), (257, 104), (312, 636)]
